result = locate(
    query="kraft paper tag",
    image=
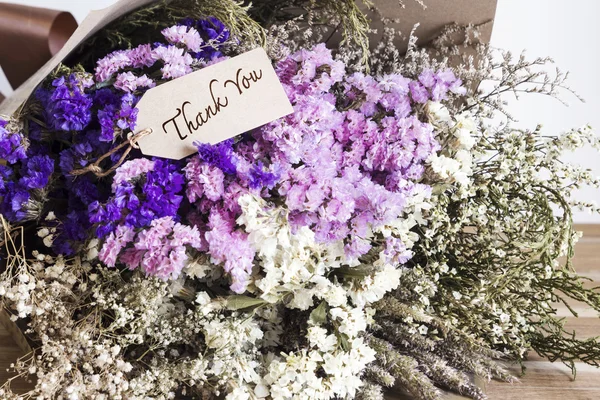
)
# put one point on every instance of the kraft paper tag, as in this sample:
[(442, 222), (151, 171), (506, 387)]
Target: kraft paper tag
[(211, 105)]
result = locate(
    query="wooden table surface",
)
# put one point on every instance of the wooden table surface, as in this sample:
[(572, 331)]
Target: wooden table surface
[(543, 380)]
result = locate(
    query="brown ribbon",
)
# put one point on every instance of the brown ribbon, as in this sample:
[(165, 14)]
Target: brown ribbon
[(29, 37)]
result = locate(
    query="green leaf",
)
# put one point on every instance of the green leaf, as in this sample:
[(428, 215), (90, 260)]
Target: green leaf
[(359, 271), (344, 343), (318, 316), (239, 302)]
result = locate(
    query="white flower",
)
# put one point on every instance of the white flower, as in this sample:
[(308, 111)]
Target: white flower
[(438, 112), (239, 393), (92, 247), (261, 391), (43, 232), (318, 336), (444, 166), (303, 299), (464, 121), (352, 321), (465, 138), (373, 288)]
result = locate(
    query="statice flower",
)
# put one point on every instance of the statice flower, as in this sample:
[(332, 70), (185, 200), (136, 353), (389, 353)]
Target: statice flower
[(128, 82), (204, 181), (141, 56), (24, 181), (112, 63), (183, 35), (435, 86), (5, 176), (341, 174), (310, 71), (145, 191), (114, 244), (356, 174), (214, 34), (177, 62), (131, 170), (12, 144), (259, 178), (36, 172), (160, 250), (15, 200), (230, 247), (67, 106), (220, 155), (85, 147), (117, 113)]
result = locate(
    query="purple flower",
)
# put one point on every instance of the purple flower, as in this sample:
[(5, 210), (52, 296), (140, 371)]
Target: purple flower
[(213, 29), (119, 112), (258, 178), (128, 82), (11, 145), (114, 243), (6, 173), (230, 247), (213, 32), (204, 180), (67, 106), (154, 192), (14, 202), (36, 172), (220, 155), (160, 250), (116, 61), (141, 56), (418, 92)]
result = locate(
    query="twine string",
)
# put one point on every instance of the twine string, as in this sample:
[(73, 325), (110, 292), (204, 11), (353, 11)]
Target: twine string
[(131, 143)]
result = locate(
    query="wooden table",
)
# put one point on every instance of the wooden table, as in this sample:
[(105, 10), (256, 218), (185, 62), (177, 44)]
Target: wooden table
[(543, 380)]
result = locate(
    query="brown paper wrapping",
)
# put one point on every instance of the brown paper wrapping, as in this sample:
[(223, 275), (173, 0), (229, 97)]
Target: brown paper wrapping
[(29, 37), (95, 21), (438, 14), (13, 330)]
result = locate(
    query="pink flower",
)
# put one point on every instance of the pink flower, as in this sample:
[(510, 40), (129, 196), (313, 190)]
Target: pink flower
[(188, 37), (177, 62), (132, 257), (131, 169), (142, 56), (172, 55), (126, 81), (129, 83), (160, 250), (112, 63), (204, 180), (114, 244), (230, 248), (174, 71)]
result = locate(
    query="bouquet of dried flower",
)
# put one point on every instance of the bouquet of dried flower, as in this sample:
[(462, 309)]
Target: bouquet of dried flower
[(392, 230)]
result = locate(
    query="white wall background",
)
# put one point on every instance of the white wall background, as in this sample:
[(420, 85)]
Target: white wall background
[(568, 32)]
